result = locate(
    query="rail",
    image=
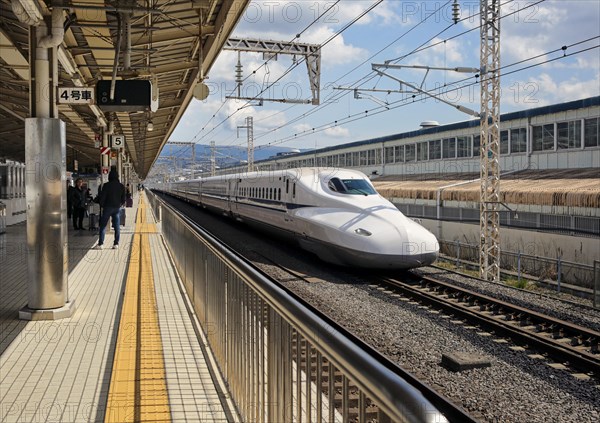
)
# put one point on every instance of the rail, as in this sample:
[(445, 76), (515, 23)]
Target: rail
[(282, 361)]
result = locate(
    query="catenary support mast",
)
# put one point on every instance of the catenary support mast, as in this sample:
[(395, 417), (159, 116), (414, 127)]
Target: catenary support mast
[(489, 254)]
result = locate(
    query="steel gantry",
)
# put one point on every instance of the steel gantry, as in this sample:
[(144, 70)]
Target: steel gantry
[(489, 254), (271, 49)]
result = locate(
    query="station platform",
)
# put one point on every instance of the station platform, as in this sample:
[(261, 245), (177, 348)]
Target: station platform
[(130, 352)]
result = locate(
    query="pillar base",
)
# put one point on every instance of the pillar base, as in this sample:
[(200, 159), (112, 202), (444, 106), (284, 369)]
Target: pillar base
[(63, 312)]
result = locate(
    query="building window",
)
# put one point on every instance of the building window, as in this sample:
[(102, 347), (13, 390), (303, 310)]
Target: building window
[(449, 148), (568, 134), (518, 140), (389, 155), (503, 142), (476, 145), (463, 146), (435, 149), (399, 153), (543, 137), (363, 158), (342, 160), (591, 132), (372, 157), (409, 153), (422, 153), (355, 161)]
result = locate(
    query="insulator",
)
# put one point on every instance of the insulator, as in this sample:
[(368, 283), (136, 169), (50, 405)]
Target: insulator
[(455, 11)]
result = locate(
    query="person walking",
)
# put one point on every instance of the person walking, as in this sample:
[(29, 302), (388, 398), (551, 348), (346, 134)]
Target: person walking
[(78, 200), (111, 199)]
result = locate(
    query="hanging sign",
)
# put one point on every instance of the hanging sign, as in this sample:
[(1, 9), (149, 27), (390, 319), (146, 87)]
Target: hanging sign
[(117, 141), (75, 95)]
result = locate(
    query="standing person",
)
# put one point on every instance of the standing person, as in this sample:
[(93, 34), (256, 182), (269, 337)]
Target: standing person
[(78, 202), (111, 198), (70, 193)]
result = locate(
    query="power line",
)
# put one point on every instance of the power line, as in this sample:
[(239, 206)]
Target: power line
[(403, 102)]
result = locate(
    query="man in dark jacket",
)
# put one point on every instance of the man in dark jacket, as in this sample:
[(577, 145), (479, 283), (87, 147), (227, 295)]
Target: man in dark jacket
[(111, 199), (78, 201)]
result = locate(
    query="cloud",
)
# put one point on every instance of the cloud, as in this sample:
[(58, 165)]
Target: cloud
[(546, 89), (337, 132), (336, 52)]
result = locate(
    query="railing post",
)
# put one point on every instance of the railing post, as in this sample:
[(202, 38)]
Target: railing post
[(519, 266), (558, 271), (596, 283), (457, 254)]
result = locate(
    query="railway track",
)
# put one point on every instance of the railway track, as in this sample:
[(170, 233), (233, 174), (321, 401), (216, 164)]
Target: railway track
[(569, 346)]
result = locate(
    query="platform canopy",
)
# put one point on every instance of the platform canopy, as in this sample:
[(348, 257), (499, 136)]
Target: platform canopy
[(169, 41)]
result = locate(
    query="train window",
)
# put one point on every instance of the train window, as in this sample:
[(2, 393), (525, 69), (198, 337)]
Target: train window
[(336, 185), (351, 186), (358, 186), (294, 190), (278, 194)]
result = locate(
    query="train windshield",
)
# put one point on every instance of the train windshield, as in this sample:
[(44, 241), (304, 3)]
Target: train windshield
[(351, 186)]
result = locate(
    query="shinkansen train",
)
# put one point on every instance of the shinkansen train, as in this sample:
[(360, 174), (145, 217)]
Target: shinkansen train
[(334, 213)]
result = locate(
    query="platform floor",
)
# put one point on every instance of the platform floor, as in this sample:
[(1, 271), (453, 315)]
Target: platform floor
[(60, 371)]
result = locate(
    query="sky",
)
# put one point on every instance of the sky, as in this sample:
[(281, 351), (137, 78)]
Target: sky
[(549, 54)]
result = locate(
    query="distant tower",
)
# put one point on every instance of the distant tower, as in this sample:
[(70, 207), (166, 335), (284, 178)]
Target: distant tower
[(250, 127), (213, 164)]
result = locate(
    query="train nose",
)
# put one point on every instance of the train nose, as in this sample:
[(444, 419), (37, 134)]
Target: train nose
[(404, 242)]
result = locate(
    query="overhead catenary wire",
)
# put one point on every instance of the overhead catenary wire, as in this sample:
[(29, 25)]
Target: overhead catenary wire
[(404, 102), (422, 47)]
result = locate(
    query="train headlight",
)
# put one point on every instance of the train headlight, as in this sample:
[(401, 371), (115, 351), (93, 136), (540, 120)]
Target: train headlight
[(363, 232)]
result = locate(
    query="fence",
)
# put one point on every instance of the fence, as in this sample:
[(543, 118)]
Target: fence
[(282, 362), (2, 218), (587, 226), (543, 268)]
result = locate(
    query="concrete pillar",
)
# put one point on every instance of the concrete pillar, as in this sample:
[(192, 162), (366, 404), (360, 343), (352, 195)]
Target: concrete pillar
[(46, 198)]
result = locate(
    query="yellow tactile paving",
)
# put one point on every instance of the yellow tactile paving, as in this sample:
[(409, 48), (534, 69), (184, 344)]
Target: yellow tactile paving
[(138, 390)]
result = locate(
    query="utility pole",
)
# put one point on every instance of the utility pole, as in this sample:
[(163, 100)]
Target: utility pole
[(213, 163), (250, 127), (489, 220)]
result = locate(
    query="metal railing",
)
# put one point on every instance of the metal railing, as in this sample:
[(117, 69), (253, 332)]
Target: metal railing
[(2, 218), (587, 226), (282, 362), (543, 268), (596, 283)]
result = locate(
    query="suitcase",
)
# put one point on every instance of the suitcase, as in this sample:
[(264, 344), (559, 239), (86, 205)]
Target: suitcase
[(129, 202), (93, 222), (122, 217)]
